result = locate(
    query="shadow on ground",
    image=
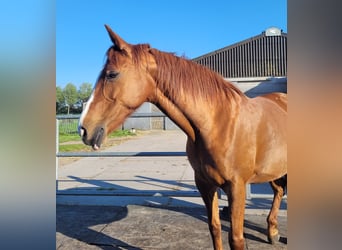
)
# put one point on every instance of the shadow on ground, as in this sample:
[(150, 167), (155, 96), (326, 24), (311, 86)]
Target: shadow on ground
[(149, 227)]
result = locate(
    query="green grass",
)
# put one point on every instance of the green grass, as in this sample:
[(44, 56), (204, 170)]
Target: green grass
[(68, 133), (69, 137), (63, 137), (78, 145), (73, 147), (121, 133)]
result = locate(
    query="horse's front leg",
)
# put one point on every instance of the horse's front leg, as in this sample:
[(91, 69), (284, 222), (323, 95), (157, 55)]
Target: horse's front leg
[(236, 195), (278, 187), (210, 198)]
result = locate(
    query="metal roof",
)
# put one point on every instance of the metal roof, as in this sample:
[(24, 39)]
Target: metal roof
[(261, 55)]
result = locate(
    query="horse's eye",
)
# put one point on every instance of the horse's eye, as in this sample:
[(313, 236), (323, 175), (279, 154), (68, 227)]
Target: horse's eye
[(111, 75)]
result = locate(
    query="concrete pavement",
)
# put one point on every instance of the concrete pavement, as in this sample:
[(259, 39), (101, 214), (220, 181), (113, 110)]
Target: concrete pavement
[(155, 204)]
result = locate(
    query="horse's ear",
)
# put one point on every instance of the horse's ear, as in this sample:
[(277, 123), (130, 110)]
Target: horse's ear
[(117, 41)]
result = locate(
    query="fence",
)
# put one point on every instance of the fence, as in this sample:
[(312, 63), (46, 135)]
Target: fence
[(68, 123), (73, 119)]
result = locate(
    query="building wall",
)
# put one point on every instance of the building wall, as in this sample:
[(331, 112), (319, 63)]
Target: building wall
[(143, 123), (257, 87)]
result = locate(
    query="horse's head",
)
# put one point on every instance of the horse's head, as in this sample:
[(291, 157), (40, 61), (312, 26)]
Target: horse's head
[(122, 86)]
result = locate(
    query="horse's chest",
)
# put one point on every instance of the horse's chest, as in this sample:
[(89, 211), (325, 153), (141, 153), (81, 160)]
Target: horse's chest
[(207, 161), (205, 167)]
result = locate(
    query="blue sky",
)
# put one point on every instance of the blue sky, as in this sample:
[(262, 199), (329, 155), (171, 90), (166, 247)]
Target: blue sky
[(186, 27)]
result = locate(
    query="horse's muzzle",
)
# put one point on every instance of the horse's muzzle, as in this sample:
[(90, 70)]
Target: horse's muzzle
[(96, 140)]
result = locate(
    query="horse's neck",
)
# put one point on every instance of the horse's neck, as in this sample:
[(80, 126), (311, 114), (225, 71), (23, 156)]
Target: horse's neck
[(193, 110), (175, 112), (194, 115)]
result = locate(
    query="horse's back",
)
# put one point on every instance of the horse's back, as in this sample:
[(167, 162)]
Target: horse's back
[(278, 98)]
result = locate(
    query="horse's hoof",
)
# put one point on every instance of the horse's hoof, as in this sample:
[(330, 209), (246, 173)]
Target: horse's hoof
[(273, 238)]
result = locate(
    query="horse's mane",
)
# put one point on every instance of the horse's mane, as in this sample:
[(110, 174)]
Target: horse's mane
[(177, 74)]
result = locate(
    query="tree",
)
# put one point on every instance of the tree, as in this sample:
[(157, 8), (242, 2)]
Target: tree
[(84, 92), (70, 100), (59, 95), (59, 99), (70, 95)]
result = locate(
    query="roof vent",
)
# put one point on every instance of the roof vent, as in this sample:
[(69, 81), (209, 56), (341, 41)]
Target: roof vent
[(273, 31)]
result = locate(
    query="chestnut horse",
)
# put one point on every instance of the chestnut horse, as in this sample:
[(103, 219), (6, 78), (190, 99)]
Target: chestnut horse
[(232, 139)]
